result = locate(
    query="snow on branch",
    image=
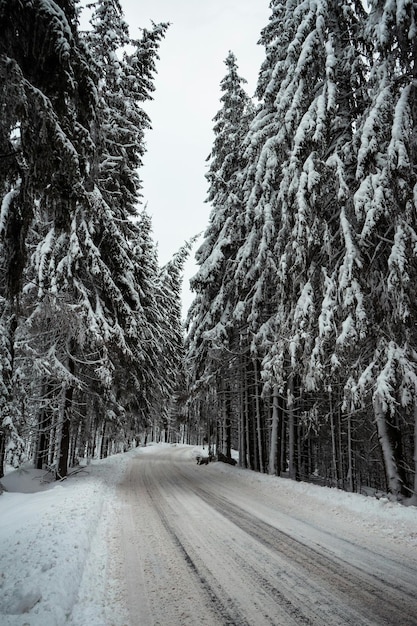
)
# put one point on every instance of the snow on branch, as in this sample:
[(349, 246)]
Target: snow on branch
[(5, 208)]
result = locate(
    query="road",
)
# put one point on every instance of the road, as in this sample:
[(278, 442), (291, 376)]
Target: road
[(201, 546)]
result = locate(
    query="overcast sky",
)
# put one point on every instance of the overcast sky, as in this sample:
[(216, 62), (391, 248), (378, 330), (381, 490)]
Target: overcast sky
[(186, 99)]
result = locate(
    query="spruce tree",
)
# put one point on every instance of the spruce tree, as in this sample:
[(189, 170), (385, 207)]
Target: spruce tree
[(385, 209), (210, 324), (170, 385), (81, 277), (298, 186), (46, 98)]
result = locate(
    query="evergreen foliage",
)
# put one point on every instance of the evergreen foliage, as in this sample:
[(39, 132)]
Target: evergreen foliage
[(83, 307), (385, 209), (211, 328), (46, 98), (301, 341), (312, 326)]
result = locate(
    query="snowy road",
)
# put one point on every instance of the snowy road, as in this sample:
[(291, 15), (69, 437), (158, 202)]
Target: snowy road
[(198, 545)]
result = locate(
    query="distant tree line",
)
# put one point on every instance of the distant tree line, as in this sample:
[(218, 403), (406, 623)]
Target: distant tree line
[(90, 325), (302, 337)]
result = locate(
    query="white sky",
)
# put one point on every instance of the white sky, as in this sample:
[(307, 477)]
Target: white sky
[(186, 99)]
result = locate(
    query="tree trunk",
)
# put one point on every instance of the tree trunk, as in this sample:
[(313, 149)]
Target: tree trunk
[(394, 481), (9, 319), (103, 441), (258, 420), (249, 463), (242, 445), (41, 448), (228, 426), (2, 450), (282, 467), (243, 449), (291, 428), (272, 465), (414, 497), (334, 459), (62, 469), (341, 466), (255, 448), (44, 427), (65, 435), (350, 460)]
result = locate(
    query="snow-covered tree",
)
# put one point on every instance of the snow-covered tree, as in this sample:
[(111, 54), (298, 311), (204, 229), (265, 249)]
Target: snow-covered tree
[(215, 257), (74, 127), (126, 68), (46, 97), (209, 321), (171, 386), (385, 210), (297, 173)]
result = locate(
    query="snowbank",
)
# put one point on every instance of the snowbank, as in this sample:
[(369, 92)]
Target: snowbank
[(48, 534)]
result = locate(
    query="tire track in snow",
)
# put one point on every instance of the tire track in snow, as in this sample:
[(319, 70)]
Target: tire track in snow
[(296, 598), (223, 606), (252, 589), (244, 571), (157, 584), (376, 600)]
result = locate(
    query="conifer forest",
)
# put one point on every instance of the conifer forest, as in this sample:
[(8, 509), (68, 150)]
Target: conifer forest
[(300, 347)]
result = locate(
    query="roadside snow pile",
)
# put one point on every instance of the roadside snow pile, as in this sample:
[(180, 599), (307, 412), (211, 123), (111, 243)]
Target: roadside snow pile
[(46, 535), (351, 509)]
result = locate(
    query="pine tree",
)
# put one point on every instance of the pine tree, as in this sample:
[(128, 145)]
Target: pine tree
[(81, 274), (103, 261), (216, 255), (46, 97), (170, 386), (125, 246), (126, 81), (297, 182), (210, 327), (285, 306), (318, 104), (385, 209)]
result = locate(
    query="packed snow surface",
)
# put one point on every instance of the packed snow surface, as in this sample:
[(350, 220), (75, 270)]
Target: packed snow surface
[(149, 537)]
